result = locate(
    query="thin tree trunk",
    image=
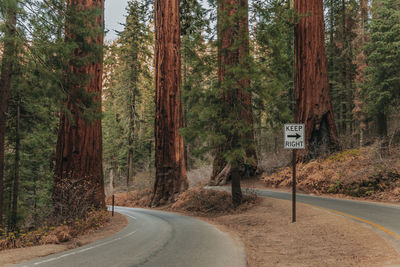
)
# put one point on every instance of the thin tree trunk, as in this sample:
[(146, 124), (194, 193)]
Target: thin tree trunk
[(35, 197), (313, 102), (131, 137), (382, 124), (79, 143), (14, 209), (111, 184), (5, 87), (170, 164)]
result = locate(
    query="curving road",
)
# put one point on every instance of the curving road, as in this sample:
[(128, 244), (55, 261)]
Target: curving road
[(154, 238), (384, 217)]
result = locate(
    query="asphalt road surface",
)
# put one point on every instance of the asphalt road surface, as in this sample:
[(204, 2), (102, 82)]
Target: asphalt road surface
[(154, 238), (381, 216)]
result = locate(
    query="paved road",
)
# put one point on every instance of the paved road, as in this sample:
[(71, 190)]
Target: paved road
[(155, 238), (382, 216)]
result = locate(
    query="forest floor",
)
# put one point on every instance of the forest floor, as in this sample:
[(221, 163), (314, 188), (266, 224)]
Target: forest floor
[(17, 255)]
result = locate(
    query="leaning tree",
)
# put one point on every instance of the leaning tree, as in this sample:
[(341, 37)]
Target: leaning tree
[(313, 101), (79, 181), (170, 164)]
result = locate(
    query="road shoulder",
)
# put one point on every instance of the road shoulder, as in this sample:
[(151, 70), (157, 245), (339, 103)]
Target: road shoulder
[(318, 238), (13, 256)]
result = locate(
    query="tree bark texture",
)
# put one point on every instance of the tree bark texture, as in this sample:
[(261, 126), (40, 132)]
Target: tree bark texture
[(230, 32), (79, 181), (5, 88), (170, 164), (313, 101)]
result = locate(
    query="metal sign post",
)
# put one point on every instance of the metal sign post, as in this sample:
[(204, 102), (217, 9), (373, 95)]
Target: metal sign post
[(294, 139)]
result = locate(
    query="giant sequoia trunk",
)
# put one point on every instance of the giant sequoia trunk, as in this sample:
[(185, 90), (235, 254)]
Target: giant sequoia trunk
[(313, 101), (78, 181), (5, 86), (233, 52), (169, 148)]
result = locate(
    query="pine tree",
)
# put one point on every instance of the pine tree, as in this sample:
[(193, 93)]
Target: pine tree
[(235, 154), (129, 97), (361, 62), (341, 69), (274, 79), (134, 52), (382, 80)]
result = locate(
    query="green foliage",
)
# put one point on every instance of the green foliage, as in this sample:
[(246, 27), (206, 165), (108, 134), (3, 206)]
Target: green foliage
[(382, 85), (129, 94), (341, 22), (335, 188), (274, 55), (198, 77)]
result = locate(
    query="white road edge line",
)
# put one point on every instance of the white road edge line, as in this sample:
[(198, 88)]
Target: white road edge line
[(85, 249)]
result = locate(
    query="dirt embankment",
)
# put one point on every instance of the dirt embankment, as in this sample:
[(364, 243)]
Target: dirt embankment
[(361, 173)]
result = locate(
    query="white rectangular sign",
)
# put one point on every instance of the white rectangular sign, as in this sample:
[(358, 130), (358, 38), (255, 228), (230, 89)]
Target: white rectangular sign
[(294, 136)]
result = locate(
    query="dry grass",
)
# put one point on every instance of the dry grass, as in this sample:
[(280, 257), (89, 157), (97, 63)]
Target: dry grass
[(200, 175), (357, 173), (136, 198), (200, 201), (55, 235)]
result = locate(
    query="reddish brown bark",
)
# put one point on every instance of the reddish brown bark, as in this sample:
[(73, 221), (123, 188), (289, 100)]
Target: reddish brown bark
[(5, 87), (169, 148), (78, 178), (313, 101), (229, 33)]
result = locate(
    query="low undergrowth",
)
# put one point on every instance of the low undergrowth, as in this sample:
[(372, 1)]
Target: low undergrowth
[(136, 198), (206, 202), (195, 200), (55, 234)]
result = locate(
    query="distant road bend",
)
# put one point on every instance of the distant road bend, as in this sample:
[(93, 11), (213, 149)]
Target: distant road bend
[(154, 238), (384, 217)]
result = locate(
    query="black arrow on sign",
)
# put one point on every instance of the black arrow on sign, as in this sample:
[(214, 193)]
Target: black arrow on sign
[(297, 136)]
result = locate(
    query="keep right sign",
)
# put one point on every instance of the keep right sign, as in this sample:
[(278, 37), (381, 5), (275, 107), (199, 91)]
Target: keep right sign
[(294, 136)]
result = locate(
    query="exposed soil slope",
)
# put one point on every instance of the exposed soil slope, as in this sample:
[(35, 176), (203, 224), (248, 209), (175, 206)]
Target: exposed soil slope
[(356, 173)]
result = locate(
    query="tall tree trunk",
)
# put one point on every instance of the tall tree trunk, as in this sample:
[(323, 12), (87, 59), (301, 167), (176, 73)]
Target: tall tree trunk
[(313, 102), (361, 63), (169, 147), (131, 133), (14, 209), (111, 184), (79, 169), (5, 87), (230, 32)]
